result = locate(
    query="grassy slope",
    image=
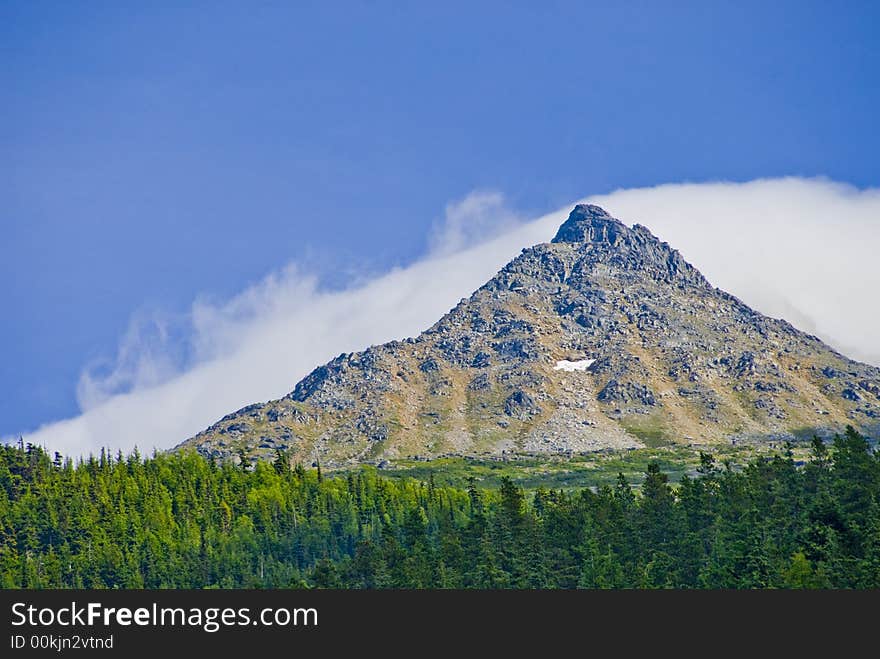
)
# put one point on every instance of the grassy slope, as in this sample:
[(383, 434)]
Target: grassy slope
[(580, 471)]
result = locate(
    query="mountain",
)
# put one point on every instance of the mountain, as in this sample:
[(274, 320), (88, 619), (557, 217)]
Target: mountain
[(603, 338)]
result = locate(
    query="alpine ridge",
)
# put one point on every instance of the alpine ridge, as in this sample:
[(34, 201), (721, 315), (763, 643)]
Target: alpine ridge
[(605, 337)]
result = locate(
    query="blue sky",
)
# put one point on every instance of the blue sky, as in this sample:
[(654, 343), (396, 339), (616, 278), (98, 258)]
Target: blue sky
[(151, 155)]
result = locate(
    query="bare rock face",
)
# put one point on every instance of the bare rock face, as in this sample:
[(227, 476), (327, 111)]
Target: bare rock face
[(661, 354)]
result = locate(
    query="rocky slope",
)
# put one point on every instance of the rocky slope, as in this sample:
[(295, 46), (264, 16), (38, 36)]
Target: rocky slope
[(604, 338)]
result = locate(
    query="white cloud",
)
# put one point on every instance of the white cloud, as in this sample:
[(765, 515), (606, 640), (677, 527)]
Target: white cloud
[(801, 249), (148, 355), (478, 217)]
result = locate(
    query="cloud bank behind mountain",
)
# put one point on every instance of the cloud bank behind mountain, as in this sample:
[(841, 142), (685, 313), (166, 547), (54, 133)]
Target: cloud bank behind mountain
[(801, 249)]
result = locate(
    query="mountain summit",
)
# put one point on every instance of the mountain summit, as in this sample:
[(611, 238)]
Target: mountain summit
[(603, 338), (609, 240), (589, 223)]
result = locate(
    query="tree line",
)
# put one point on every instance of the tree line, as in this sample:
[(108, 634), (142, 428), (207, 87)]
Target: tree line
[(181, 521)]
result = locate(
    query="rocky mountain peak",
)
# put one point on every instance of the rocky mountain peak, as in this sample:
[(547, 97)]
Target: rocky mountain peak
[(589, 223), (600, 238), (606, 338)]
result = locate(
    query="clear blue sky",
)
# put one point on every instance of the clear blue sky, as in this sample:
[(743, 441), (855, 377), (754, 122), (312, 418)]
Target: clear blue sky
[(150, 153)]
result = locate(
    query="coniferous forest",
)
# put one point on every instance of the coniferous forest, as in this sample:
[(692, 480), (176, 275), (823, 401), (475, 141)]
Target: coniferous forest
[(180, 521)]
